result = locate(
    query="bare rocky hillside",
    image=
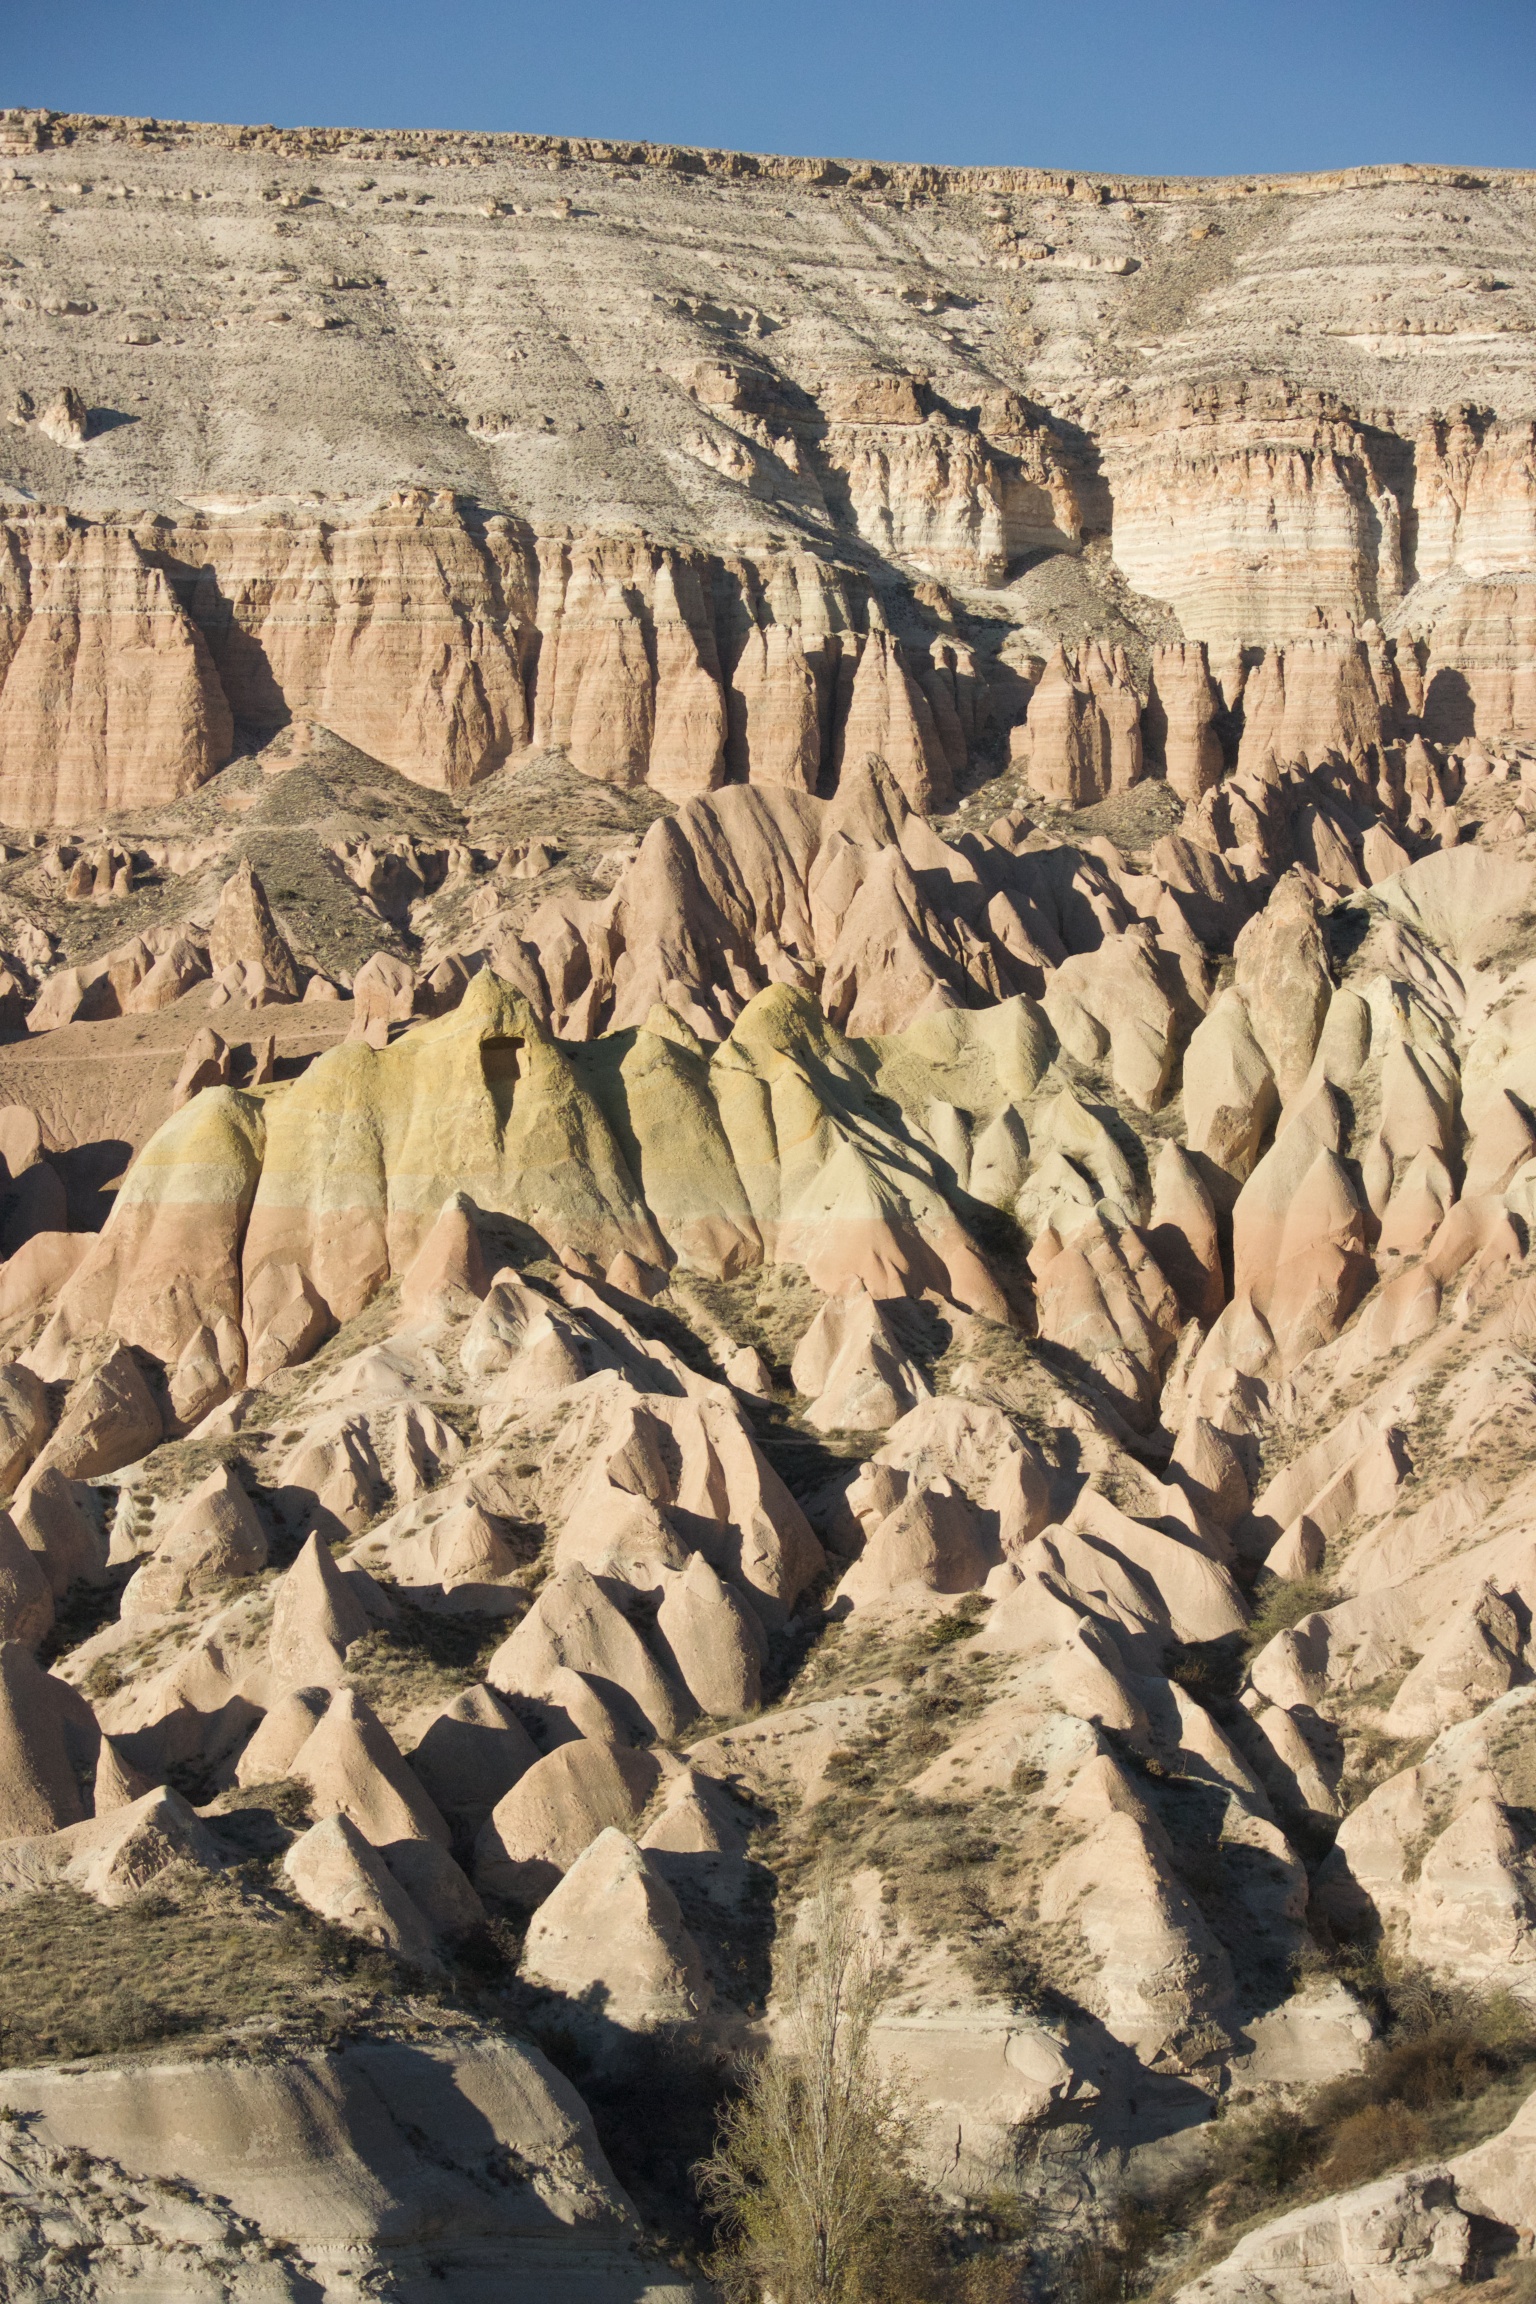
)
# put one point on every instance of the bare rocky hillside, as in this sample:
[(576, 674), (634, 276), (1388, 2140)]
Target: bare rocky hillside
[(768, 1110)]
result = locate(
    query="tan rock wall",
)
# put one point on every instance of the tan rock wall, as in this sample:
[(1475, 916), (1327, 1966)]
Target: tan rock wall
[(1246, 510), (406, 630), (1480, 677), (110, 696), (1474, 496)]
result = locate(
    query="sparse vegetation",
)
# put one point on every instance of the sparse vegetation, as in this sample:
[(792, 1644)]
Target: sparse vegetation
[(1448, 2070), (422, 1658), (1280, 1604), (194, 1957), (813, 2178)]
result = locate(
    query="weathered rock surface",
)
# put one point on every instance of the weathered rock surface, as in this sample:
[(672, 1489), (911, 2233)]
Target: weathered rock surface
[(850, 1065), (341, 2178)]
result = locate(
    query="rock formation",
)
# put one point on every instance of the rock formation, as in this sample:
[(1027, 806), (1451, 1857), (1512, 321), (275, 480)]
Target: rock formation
[(787, 1128)]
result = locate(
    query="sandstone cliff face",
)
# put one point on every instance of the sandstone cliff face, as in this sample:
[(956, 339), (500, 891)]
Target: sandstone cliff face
[(110, 698), (1249, 509), (1477, 674), (405, 631), (957, 502), (1083, 737), (445, 646), (1474, 496), (662, 537)]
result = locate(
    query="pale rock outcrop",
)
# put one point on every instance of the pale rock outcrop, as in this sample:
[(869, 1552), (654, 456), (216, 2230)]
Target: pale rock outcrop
[(1435, 1856), (1281, 970), (116, 1782), (111, 699), (333, 1869), (352, 1767), (1477, 1655), (113, 1857), (437, 1887), (1298, 1236), (698, 1817), (39, 1792), (714, 1642), (383, 993), (1102, 1296), (26, 1596), (575, 1625), (626, 1460), (1082, 739), (1158, 1967), (167, 2139), (1230, 1097), (215, 1536), (1428, 2230), (1183, 1233), (745, 1370), (1312, 699), (167, 1261), (183, 963), (1248, 504), (25, 1423), (1184, 710), (284, 1319), (612, 1934), (1209, 1468), (205, 1065), (281, 1735), (976, 1448), (1146, 1581), (447, 1274), (469, 1755), (931, 1542), (540, 1827), (1392, 2242), (316, 1616), (1502, 1142), (245, 941), (55, 1522), (1125, 1002), (110, 1419), (852, 1367)]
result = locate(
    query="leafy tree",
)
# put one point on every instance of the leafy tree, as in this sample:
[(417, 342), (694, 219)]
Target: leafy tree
[(812, 2175)]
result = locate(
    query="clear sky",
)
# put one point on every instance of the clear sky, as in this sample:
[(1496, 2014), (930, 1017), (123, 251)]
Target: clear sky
[(1160, 86)]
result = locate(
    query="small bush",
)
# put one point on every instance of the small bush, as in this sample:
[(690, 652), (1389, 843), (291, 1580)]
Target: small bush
[(1281, 1604), (959, 1623), (1449, 2071), (421, 1658), (1369, 2142)]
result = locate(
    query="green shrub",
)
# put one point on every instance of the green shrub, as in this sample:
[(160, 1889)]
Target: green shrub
[(1280, 1604)]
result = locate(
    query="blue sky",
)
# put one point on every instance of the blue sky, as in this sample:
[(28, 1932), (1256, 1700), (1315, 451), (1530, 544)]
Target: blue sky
[(1165, 86)]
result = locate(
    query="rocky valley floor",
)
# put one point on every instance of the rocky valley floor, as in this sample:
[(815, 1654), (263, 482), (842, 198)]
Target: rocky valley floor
[(768, 1115)]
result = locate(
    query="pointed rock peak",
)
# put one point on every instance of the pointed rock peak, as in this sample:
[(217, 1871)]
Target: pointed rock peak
[(245, 935), (26, 1598), (333, 1869), (316, 1616), (869, 804), (613, 1927), (664, 1023), (447, 1273), (316, 1577), (118, 1783)]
